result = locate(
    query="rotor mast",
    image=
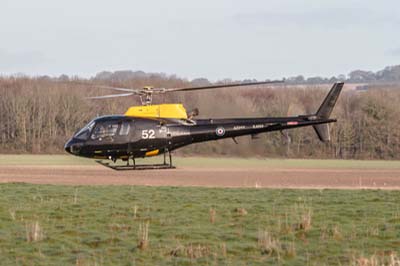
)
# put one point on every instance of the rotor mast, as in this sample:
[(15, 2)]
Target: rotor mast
[(146, 99)]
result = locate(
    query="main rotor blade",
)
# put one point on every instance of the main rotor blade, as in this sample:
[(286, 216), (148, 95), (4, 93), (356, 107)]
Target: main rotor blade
[(111, 96), (103, 86), (224, 86), (116, 88)]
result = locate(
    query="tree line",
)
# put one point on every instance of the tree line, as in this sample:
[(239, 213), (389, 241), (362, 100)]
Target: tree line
[(38, 115), (390, 74)]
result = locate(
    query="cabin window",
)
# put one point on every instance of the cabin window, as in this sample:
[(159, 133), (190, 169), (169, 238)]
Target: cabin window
[(84, 133), (124, 131), (105, 130)]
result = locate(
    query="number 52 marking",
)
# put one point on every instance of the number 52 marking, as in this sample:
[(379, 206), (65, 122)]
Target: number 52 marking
[(148, 134)]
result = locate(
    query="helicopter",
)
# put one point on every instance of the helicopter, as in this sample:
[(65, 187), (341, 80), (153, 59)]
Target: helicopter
[(150, 130)]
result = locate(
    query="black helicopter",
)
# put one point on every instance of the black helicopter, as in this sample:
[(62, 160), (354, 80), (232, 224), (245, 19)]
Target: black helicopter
[(150, 130)]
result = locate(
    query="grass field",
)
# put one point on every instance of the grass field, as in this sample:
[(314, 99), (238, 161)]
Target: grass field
[(133, 225), (219, 162)]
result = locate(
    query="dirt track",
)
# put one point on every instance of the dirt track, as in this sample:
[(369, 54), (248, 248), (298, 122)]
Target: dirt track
[(217, 177)]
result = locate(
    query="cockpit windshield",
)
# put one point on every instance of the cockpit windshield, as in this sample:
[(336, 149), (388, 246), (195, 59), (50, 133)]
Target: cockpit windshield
[(84, 133)]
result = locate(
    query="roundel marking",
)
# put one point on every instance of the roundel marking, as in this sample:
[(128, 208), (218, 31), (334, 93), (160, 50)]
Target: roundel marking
[(220, 131)]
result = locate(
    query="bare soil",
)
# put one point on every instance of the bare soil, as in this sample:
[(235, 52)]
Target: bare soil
[(203, 177)]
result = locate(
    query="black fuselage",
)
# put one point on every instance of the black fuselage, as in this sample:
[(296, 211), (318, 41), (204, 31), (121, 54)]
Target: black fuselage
[(115, 137)]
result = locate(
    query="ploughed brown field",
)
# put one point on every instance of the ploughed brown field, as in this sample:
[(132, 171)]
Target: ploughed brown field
[(207, 172)]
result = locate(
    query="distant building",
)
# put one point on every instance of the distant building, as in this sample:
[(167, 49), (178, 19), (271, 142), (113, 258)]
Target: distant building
[(364, 87)]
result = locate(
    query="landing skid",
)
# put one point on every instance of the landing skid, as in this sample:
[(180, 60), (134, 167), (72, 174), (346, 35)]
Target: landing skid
[(135, 166)]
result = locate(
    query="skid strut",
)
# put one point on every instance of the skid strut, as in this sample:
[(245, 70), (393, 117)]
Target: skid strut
[(135, 166)]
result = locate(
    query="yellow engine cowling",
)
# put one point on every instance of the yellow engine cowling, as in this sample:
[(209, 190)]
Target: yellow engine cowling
[(158, 111)]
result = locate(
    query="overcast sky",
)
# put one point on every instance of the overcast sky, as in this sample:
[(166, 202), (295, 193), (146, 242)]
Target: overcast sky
[(214, 39)]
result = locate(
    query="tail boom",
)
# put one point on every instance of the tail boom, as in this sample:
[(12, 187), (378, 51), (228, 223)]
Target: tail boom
[(214, 129)]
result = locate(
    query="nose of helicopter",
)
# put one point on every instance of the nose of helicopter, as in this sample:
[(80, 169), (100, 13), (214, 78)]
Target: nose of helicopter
[(73, 146), (68, 145)]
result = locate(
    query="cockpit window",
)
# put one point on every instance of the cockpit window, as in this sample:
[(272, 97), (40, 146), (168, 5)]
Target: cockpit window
[(84, 133), (104, 130), (125, 126)]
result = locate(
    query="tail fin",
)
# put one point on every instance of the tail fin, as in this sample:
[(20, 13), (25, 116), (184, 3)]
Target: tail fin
[(325, 111)]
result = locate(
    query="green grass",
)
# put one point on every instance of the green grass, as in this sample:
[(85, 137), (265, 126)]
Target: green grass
[(88, 225), (219, 162)]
